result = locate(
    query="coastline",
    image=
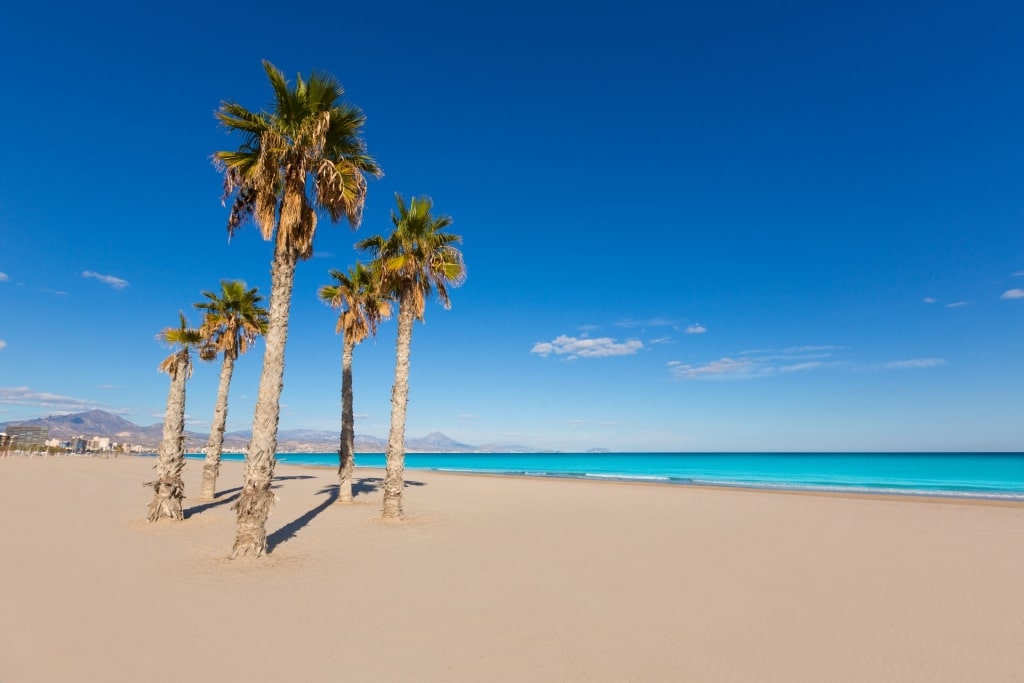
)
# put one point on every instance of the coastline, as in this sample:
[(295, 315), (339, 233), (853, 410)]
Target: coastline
[(502, 578)]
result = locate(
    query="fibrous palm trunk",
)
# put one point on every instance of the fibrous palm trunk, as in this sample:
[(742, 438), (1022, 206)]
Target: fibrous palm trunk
[(346, 450), (394, 474), (168, 488), (253, 505), (211, 466)]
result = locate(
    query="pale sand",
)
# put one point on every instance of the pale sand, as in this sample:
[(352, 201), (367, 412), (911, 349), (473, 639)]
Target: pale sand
[(501, 579)]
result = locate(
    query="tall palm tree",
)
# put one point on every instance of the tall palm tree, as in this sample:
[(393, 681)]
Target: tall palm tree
[(233, 320), (416, 259), (310, 138), (361, 309), (168, 488)]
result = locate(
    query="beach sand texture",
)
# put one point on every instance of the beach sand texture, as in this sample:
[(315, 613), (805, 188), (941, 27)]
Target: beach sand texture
[(500, 579)]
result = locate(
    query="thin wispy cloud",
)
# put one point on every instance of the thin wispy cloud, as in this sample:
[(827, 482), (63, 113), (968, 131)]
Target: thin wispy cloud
[(3, 277), (573, 347), (661, 340), (109, 386), (115, 282), (723, 367), (467, 416), (958, 304), (798, 359), (1019, 273), (24, 396), (696, 328), (58, 292), (1013, 294), (3, 344), (930, 300), (914, 363), (660, 321)]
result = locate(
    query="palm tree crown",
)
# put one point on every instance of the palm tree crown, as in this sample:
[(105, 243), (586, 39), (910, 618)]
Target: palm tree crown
[(361, 304), (309, 133), (232, 319), (418, 257), (185, 338)]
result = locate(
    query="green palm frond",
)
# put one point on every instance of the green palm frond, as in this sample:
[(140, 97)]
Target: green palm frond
[(304, 155), (361, 302), (184, 338), (417, 258), (233, 318)]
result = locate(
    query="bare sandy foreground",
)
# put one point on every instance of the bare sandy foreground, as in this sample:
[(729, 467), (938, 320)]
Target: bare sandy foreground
[(500, 579)]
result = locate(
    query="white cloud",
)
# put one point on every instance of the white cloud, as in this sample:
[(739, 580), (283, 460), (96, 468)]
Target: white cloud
[(661, 340), (109, 386), (696, 328), (1019, 273), (601, 347), (1013, 294), (800, 367), (660, 321), (3, 277), (115, 282), (467, 416), (930, 300), (23, 396), (723, 367), (58, 292), (958, 304), (914, 363), (3, 344)]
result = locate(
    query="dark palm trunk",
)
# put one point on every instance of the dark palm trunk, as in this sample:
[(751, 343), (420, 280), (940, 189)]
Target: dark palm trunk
[(394, 475), (346, 451), (211, 467), (168, 488), (254, 503)]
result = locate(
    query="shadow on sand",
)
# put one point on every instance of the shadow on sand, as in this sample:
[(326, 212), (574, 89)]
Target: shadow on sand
[(289, 530), (219, 499), (368, 485)]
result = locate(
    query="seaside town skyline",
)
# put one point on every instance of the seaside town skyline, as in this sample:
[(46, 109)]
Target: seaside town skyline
[(685, 229)]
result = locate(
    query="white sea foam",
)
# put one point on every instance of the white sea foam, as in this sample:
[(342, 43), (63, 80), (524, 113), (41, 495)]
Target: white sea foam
[(641, 477)]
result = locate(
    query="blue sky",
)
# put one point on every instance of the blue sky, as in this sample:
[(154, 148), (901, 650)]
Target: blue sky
[(716, 226)]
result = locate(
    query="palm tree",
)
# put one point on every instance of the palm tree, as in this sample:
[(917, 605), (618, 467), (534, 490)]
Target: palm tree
[(416, 259), (309, 137), (168, 488), (361, 308), (233, 319)]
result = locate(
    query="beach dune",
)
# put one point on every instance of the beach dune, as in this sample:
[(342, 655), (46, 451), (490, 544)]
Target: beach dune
[(500, 579)]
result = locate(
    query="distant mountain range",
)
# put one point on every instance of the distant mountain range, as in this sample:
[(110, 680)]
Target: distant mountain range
[(103, 424)]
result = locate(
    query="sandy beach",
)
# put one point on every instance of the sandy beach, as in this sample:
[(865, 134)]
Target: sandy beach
[(500, 579)]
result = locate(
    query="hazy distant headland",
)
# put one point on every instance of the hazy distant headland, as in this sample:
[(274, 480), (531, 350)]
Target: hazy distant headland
[(99, 423)]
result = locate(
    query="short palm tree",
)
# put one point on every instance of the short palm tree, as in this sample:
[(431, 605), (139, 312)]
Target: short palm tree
[(304, 155), (232, 321), (416, 259), (361, 309), (168, 488)]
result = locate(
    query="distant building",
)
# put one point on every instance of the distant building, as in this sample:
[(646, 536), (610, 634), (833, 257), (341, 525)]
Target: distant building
[(27, 437), (99, 443)]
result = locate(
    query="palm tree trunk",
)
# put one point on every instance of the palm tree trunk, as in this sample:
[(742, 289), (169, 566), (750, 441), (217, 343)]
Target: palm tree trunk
[(346, 452), (168, 488), (253, 505), (211, 467), (394, 473)]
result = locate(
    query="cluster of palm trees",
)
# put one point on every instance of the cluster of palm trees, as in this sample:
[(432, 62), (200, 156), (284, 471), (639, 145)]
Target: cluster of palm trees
[(304, 157), (232, 321)]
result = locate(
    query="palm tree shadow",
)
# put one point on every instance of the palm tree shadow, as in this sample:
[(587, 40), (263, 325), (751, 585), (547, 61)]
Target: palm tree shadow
[(220, 499), (289, 530), (368, 485)]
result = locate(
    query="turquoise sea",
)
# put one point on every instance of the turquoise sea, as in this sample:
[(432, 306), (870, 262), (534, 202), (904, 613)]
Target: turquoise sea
[(972, 475)]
